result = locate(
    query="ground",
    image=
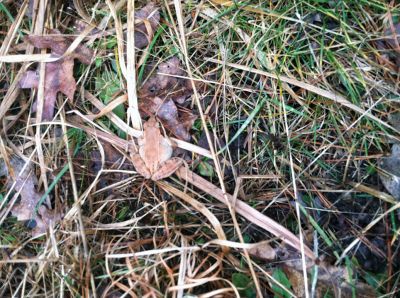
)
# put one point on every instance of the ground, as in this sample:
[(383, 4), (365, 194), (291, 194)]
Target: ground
[(285, 115)]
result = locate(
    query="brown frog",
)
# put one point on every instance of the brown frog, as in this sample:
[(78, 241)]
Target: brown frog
[(153, 159)]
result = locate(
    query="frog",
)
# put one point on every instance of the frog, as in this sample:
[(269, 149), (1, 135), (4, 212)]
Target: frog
[(153, 158)]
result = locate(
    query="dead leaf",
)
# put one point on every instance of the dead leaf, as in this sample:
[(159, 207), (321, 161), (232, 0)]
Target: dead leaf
[(331, 279), (170, 117), (388, 47), (160, 94), (148, 19), (167, 112), (165, 83), (391, 175), (58, 44), (25, 209), (59, 74), (296, 280)]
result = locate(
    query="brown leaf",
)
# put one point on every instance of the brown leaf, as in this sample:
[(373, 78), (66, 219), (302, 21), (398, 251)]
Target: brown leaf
[(159, 95), (168, 82), (59, 74), (296, 280), (168, 114), (388, 47), (148, 14), (25, 184), (333, 279), (147, 19), (58, 44), (187, 118)]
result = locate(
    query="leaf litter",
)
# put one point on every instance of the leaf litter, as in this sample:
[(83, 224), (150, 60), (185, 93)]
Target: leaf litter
[(58, 74), (389, 49), (147, 19), (390, 176), (164, 94), (390, 165), (161, 94), (329, 279), (29, 207)]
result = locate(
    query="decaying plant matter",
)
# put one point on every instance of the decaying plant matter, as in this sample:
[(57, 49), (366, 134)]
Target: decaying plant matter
[(162, 93), (58, 74), (266, 163), (28, 203)]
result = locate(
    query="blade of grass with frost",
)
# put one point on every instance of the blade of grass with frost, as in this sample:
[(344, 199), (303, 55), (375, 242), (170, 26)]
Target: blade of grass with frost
[(245, 124)]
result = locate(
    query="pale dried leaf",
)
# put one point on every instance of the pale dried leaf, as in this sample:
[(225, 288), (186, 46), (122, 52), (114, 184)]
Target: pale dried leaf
[(169, 82), (58, 44), (296, 280), (168, 114), (25, 209)]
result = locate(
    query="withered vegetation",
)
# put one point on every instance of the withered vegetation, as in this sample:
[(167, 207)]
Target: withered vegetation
[(284, 115)]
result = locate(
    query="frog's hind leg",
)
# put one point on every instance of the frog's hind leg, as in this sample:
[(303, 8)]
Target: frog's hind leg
[(165, 151), (140, 166), (167, 168)]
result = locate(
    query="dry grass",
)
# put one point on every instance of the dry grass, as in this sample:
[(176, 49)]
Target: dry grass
[(296, 114)]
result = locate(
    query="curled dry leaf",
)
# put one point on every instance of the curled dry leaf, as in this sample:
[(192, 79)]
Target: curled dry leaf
[(25, 185), (160, 94), (390, 176), (168, 113), (147, 19), (59, 74)]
